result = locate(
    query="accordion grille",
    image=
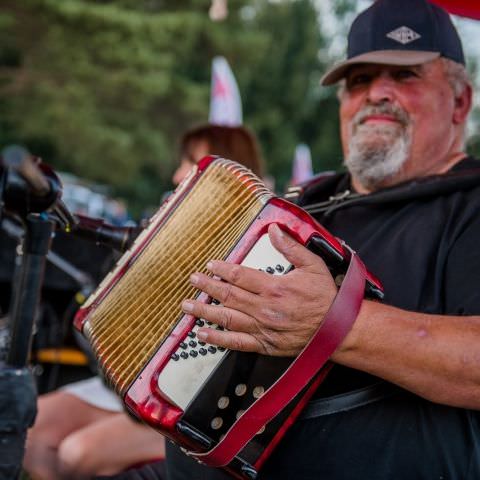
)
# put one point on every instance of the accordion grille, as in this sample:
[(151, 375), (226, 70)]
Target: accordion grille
[(130, 323)]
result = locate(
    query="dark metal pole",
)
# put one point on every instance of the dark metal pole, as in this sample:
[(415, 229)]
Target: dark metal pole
[(17, 388), (38, 234)]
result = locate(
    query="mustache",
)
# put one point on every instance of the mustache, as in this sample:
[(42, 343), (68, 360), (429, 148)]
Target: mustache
[(397, 113)]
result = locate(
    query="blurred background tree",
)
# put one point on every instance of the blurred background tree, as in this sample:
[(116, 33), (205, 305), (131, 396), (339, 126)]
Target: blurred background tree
[(104, 88)]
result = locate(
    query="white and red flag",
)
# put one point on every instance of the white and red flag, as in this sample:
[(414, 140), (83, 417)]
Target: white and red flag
[(225, 102)]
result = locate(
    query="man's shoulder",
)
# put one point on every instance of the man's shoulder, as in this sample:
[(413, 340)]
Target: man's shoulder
[(462, 179)]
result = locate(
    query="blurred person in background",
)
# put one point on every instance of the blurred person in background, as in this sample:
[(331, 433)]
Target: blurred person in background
[(82, 430), (235, 143)]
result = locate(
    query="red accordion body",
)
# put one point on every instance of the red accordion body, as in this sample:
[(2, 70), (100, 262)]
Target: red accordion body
[(198, 395)]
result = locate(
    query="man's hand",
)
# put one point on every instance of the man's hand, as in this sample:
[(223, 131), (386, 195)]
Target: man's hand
[(271, 315)]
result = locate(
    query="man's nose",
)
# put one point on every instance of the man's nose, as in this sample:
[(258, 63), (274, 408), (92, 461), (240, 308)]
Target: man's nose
[(381, 89)]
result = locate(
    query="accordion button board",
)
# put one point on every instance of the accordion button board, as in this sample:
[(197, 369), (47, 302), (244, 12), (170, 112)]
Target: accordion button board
[(192, 364)]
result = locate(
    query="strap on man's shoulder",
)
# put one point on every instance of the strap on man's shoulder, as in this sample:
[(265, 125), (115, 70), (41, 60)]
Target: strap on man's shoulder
[(299, 194)]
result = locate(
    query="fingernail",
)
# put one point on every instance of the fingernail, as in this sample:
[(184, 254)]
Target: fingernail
[(187, 306), (202, 335), (209, 265), (194, 278)]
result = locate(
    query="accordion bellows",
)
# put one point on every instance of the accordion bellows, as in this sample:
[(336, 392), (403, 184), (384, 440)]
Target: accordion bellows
[(127, 328), (194, 393)]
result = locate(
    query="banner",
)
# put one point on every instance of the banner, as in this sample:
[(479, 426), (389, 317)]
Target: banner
[(225, 102), (302, 164)]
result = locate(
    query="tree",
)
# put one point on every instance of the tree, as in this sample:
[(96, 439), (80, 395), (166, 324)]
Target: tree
[(104, 88), (283, 99)]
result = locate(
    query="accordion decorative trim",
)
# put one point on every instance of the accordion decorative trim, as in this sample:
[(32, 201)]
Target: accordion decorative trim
[(151, 279)]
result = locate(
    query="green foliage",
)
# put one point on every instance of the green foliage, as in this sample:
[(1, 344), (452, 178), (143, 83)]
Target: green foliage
[(104, 88), (283, 102)]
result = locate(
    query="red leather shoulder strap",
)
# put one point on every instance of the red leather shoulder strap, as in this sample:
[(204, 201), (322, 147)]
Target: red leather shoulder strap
[(337, 323)]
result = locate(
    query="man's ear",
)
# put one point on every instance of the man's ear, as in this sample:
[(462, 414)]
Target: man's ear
[(463, 104)]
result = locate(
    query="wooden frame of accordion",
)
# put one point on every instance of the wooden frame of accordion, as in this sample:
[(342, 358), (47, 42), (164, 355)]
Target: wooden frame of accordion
[(143, 341)]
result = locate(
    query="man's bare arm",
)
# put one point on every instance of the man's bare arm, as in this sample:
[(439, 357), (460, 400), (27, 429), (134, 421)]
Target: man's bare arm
[(434, 356)]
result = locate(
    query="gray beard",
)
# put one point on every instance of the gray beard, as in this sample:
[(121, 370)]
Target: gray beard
[(376, 154)]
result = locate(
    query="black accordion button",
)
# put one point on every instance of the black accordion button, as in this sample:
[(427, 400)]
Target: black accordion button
[(184, 355), (193, 353)]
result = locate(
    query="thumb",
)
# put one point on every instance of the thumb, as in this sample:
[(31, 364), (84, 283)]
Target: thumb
[(297, 254)]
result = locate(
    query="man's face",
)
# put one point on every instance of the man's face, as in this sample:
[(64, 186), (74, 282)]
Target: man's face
[(397, 123)]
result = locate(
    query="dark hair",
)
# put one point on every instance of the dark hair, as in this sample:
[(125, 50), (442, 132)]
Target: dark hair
[(235, 143)]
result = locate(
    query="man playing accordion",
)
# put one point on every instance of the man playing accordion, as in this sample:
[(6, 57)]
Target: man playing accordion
[(402, 399)]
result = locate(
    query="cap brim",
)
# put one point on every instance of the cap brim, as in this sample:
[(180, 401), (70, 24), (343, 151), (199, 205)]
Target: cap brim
[(382, 57)]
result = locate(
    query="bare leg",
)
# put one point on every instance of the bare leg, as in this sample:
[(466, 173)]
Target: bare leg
[(107, 447), (59, 414)]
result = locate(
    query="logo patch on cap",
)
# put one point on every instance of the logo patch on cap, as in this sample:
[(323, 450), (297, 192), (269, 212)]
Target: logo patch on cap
[(403, 35)]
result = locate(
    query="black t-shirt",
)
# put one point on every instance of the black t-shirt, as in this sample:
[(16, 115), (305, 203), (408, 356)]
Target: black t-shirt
[(424, 248)]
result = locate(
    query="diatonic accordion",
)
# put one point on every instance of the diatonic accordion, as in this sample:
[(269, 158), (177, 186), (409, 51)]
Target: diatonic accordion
[(147, 347)]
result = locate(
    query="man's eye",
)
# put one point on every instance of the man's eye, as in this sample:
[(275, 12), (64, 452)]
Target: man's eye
[(404, 73), (359, 79)]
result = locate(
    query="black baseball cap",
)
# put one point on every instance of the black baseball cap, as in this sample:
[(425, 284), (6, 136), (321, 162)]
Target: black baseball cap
[(399, 32)]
